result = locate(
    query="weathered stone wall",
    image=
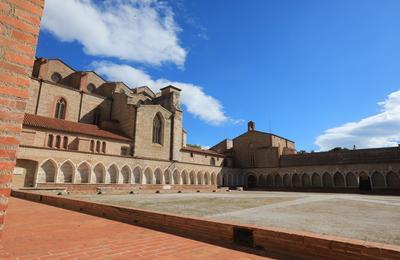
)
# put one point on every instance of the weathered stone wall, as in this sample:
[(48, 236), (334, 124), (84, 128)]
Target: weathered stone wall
[(200, 158), (144, 146)]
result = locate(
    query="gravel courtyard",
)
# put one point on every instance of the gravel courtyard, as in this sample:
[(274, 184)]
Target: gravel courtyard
[(366, 217)]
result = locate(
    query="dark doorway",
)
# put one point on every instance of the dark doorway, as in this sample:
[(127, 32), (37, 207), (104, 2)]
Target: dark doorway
[(364, 182), (251, 181)]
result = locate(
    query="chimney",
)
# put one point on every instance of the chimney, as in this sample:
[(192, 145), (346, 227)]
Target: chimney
[(251, 126)]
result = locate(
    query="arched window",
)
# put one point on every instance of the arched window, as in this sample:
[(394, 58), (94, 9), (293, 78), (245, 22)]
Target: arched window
[(65, 142), (91, 87), (60, 108), (50, 139), (212, 161), (98, 146), (58, 141), (103, 147), (92, 145), (157, 129)]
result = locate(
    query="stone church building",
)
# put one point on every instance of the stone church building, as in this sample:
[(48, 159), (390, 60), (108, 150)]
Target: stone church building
[(83, 132)]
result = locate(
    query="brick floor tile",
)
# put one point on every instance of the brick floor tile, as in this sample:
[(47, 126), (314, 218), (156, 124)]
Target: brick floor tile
[(37, 231)]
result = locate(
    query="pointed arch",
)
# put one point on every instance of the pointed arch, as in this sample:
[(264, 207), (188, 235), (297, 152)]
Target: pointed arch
[(200, 178), (193, 179), (137, 175), (83, 173), (364, 181), (327, 180), (185, 177), (207, 178), (219, 179), (126, 174), (378, 180), (214, 180), (262, 180), (287, 181), (338, 180), (176, 177), (112, 174), (99, 173), (67, 171), (270, 180), (296, 181), (158, 176), (158, 125), (148, 177), (60, 108), (167, 177), (278, 180), (305, 180), (252, 180), (351, 180), (47, 171), (316, 180), (392, 180)]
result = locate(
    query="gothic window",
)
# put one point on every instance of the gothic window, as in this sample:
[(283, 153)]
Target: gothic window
[(212, 162), (58, 141), (50, 139), (157, 129), (91, 87), (60, 108), (65, 142)]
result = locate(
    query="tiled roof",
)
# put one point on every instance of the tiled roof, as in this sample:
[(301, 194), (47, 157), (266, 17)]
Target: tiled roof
[(198, 150), (69, 126)]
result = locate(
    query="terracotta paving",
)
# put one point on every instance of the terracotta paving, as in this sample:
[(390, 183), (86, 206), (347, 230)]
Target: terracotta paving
[(37, 231)]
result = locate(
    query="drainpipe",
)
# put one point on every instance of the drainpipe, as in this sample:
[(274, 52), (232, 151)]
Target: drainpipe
[(38, 98), (171, 151), (134, 131), (80, 107)]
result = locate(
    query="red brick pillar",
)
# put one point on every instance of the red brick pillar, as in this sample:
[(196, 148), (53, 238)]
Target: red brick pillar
[(19, 29)]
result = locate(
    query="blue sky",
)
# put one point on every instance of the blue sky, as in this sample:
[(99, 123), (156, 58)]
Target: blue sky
[(312, 70)]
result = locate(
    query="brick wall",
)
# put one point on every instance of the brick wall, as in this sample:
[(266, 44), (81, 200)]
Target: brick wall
[(19, 29), (272, 241), (361, 156)]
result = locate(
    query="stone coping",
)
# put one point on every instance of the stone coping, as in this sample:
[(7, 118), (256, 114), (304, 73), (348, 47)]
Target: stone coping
[(270, 241)]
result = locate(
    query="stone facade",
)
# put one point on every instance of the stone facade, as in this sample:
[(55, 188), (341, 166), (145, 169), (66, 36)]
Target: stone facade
[(81, 129)]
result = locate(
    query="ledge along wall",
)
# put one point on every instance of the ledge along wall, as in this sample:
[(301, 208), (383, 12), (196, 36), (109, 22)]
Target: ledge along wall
[(272, 241)]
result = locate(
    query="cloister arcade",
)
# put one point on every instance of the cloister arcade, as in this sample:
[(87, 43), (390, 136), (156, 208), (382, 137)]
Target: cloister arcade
[(364, 180), (50, 171)]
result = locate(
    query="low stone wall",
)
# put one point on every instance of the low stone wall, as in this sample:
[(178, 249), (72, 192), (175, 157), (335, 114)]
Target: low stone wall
[(127, 187), (272, 241)]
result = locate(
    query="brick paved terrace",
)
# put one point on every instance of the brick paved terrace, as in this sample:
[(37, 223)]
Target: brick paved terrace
[(37, 231)]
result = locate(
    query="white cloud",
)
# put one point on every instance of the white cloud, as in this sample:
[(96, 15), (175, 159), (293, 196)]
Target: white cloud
[(135, 30), (198, 103), (380, 130)]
